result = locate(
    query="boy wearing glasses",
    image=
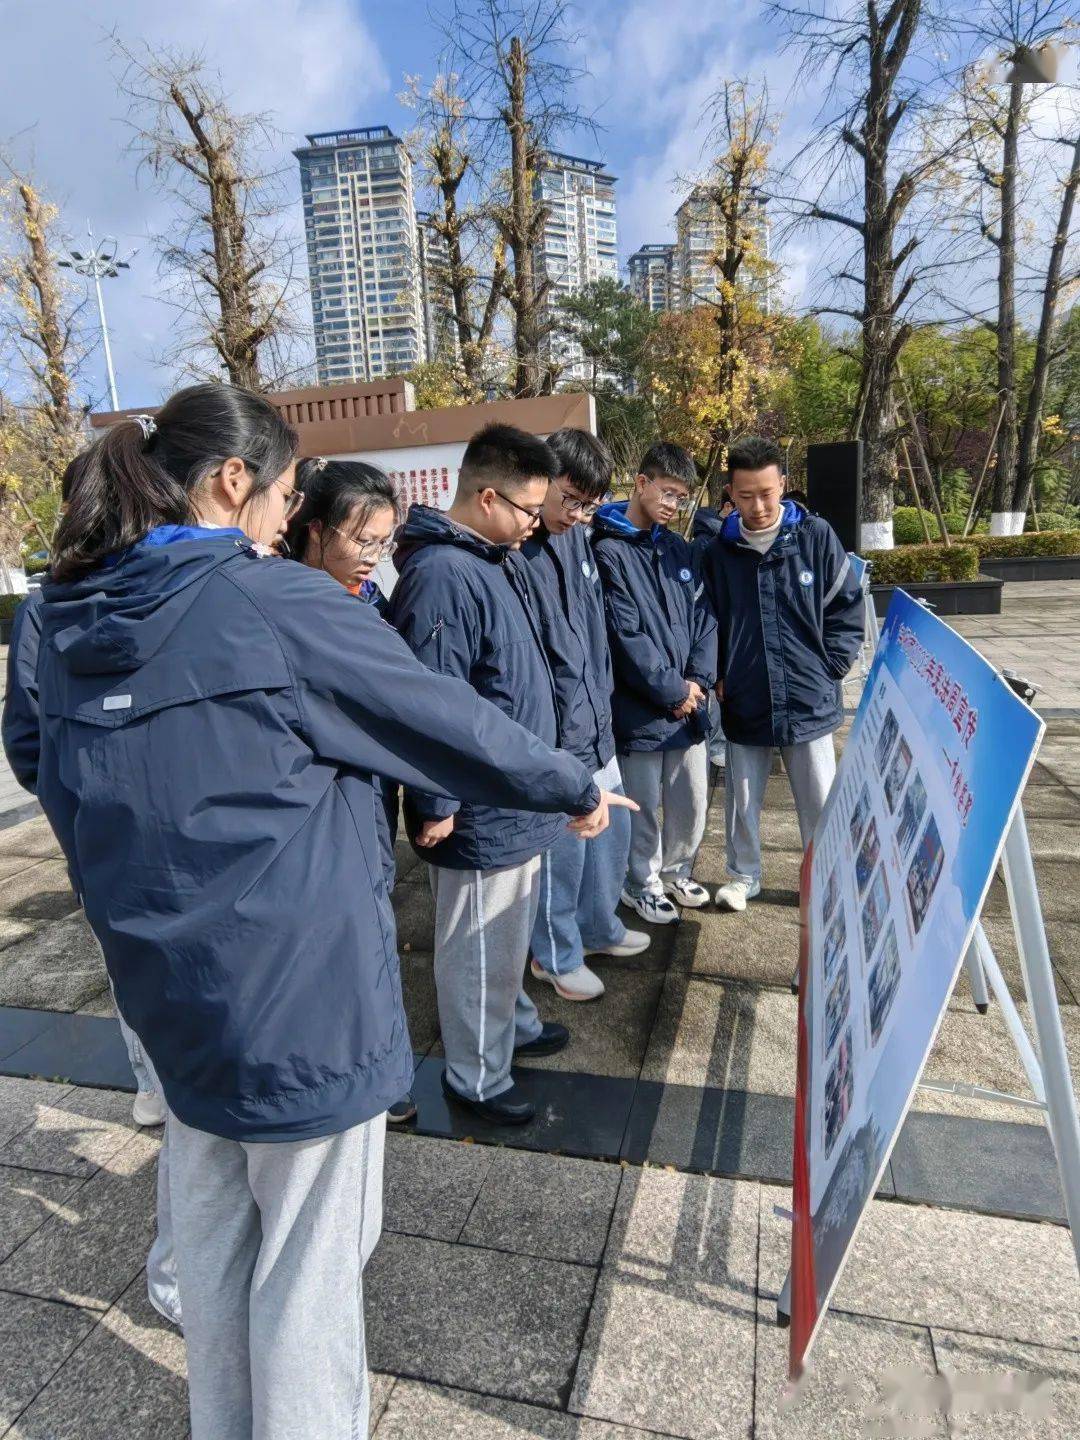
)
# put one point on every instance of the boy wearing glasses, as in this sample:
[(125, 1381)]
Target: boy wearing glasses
[(465, 611), (580, 880), (663, 647)]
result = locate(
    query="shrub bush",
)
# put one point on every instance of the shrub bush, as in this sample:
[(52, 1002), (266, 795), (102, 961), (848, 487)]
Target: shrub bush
[(906, 527), (9, 604), (1055, 520), (1046, 542), (915, 564)]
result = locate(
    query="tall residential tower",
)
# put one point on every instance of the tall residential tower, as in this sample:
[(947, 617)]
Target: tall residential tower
[(363, 261), (579, 243)]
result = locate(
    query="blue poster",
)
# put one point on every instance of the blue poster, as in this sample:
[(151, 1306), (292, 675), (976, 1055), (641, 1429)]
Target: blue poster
[(902, 857)]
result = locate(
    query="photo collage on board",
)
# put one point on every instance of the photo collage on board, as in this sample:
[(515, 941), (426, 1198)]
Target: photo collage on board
[(884, 857)]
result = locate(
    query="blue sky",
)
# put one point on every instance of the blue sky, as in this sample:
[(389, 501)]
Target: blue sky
[(324, 64)]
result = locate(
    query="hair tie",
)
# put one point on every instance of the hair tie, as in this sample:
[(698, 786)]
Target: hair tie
[(147, 424), (320, 462)]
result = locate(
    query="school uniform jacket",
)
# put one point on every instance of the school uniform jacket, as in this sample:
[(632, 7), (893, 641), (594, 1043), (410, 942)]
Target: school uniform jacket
[(20, 723), (464, 611), (563, 581), (790, 626), (211, 721), (660, 631)]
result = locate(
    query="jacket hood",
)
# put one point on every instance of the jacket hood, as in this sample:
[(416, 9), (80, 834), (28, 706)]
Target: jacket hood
[(119, 616), (791, 514), (708, 523), (611, 519), (424, 525)]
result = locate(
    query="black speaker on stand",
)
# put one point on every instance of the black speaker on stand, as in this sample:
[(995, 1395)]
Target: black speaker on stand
[(834, 487)]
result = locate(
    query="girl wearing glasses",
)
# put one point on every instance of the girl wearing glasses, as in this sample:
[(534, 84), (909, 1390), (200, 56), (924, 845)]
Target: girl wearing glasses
[(212, 717), (346, 523)]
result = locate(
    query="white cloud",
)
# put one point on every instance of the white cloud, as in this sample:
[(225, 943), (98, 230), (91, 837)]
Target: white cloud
[(313, 63)]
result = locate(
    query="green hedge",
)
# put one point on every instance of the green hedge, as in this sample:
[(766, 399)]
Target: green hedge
[(914, 564), (1055, 520), (908, 531), (9, 604), (1045, 542)]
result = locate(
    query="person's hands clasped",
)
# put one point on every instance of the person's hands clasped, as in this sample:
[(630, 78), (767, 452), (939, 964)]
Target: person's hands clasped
[(695, 696), (596, 822), (432, 831)]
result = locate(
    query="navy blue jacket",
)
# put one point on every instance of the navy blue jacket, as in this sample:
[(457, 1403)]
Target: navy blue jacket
[(790, 626), (387, 816), (706, 528), (211, 721), (564, 587), (464, 611), (660, 630), (22, 744)]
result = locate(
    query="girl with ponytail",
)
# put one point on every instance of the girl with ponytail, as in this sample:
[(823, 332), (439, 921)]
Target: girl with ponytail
[(212, 719)]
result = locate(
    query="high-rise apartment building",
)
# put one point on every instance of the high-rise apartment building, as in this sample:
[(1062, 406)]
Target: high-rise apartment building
[(651, 276), (698, 237), (363, 261), (579, 243)]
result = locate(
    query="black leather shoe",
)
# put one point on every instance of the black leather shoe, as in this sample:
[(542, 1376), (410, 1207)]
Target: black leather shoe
[(550, 1041), (509, 1108)]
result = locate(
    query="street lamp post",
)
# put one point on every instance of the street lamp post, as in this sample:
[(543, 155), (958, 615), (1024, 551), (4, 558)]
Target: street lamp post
[(100, 262)]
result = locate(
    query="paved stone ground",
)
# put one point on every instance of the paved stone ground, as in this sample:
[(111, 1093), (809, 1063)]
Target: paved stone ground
[(518, 1293)]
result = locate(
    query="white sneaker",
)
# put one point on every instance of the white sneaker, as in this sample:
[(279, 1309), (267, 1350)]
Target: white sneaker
[(656, 909), (579, 984), (688, 893), (735, 894), (149, 1108), (632, 943)]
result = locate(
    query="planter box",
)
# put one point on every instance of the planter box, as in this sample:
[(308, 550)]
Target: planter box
[(948, 597), (1031, 567)]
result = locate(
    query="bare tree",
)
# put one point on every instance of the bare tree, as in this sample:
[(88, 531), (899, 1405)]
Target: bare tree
[(515, 81), (866, 50), (1006, 164), (40, 322), (467, 258), (229, 259)]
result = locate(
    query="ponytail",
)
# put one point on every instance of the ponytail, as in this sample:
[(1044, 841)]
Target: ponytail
[(142, 473)]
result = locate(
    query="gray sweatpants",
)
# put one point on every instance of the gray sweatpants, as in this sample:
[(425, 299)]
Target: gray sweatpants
[(676, 781), (271, 1242), (810, 769), (483, 925)]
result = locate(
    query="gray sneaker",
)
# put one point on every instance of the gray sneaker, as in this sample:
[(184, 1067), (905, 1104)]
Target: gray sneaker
[(735, 894)]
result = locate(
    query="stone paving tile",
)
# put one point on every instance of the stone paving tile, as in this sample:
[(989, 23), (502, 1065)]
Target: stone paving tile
[(978, 1050), (431, 1185), (34, 896), (414, 909), (431, 1412), (779, 872), (27, 1199), (921, 1266), (88, 1254), (36, 1337), (1054, 839), (1063, 939), (841, 1394), (479, 1319), (760, 946), (671, 1335), (57, 967), (1059, 885), (75, 1134), (730, 1036), (32, 840), (129, 1378), (382, 1387), (21, 1102), (976, 1355), (549, 1206)]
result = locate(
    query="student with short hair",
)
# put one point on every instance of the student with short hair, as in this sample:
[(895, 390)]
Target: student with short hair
[(211, 720), (580, 881), (465, 611), (790, 613), (663, 649)]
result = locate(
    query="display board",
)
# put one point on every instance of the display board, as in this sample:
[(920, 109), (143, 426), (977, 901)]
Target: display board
[(893, 885)]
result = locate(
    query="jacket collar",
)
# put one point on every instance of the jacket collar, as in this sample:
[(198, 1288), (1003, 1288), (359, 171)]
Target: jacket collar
[(611, 520), (792, 514)]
